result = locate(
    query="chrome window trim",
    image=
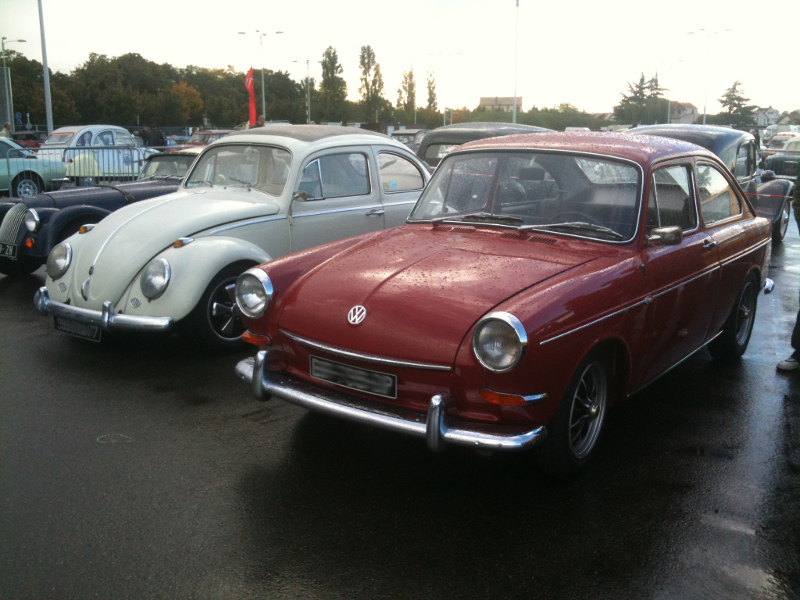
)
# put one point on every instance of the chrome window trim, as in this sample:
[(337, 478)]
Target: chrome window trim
[(412, 163), (371, 358)]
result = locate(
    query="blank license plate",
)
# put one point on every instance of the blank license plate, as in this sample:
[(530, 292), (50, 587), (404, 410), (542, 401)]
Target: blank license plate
[(86, 331), (8, 250), (374, 382)]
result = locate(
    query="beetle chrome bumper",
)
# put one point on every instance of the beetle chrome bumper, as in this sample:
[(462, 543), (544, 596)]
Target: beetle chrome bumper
[(106, 319), (436, 426)]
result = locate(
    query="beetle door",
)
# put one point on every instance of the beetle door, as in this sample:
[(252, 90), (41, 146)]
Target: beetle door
[(342, 201), (681, 277)]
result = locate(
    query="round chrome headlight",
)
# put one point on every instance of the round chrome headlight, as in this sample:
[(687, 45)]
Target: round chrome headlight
[(155, 278), (253, 292), (32, 221), (499, 341), (58, 260)]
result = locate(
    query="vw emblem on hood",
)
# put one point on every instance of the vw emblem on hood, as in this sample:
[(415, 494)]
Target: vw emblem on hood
[(356, 315)]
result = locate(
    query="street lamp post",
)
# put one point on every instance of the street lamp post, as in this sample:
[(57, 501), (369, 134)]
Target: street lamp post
[(708, 57), (308, 90), (261, 36), (516, 37), (9, 97)]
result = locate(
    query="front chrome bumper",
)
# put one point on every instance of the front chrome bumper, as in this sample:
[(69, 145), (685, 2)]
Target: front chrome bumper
[(106, 318), (436, 426)]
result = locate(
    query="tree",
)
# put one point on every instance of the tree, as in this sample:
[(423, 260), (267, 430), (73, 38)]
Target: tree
[(737, 111), (407, 95), (332, 88), (191, 103), (432, 103), (371, 89), (643, 103)]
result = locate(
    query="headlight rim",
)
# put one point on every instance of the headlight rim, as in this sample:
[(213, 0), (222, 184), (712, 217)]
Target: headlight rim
[(37, 221), (519, 330), (146, 284), (67, 261), (266, 285)]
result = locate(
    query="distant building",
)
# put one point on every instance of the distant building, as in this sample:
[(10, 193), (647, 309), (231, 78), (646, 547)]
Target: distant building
[(682, 112), (767, 116), (500, 104)]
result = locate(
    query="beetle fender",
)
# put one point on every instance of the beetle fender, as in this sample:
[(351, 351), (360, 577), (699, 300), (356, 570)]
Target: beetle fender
[(192, 267), (67, 221)]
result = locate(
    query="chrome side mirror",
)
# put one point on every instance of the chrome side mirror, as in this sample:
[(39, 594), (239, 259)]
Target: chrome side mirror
[(665, 236)]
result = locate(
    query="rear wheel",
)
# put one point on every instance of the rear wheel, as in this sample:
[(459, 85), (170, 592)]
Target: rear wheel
[(781, 226), (736, 333), (216, 320), (576, 427), (26, 185)]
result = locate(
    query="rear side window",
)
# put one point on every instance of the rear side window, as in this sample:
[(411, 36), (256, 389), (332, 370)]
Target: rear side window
[(336, 176), (717, 198), (398, 174)]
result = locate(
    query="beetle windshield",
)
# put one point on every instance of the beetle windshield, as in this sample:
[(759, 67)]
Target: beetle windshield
[(585, 196), (167, 165), (263, 168)]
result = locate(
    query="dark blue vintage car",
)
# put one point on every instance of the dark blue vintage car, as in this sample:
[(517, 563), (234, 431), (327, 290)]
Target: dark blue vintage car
[(771, 197), (30, 228)]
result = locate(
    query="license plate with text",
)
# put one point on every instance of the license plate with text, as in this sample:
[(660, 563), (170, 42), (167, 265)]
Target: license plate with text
[(86, 331), (374, 382)]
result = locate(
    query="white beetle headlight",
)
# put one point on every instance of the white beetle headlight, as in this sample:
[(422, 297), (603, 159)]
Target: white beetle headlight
[(58, 260), (155, 278), (253, 292), (499, 341), (32, 221)]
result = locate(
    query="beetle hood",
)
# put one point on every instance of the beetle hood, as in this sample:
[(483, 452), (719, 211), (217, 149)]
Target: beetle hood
[(422, 289), (121, 244)]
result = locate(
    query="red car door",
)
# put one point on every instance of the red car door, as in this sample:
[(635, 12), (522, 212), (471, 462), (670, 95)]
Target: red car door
[(682, 278)]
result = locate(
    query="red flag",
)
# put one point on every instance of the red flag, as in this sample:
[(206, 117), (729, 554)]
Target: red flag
[(248, 83)]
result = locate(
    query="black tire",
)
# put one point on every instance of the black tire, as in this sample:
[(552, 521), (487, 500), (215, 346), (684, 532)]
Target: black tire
[(216, 321), (732, 342), (26, 185), (18, 268), (781, 226), (575, 429)]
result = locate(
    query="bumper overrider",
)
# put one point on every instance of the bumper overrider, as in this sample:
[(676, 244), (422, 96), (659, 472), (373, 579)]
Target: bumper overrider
[(436, 426), (106, 318)]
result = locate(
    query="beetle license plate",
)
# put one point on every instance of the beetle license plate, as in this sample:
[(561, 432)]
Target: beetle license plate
[(86, 331), (363, 380), (8, 250)]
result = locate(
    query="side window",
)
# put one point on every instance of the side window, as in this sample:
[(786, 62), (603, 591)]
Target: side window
[(398, 174), (104, 138), (336, 176), (745, 161), (85, 139), (671, 200), (717, 198), (124, 139), (4, 149)]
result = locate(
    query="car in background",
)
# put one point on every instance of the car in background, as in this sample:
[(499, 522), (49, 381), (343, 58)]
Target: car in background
[(29, 139), (25, 173), (438, 142), (778, 141), (538, 280), (772, 198), (204, 138), (409, 137), (96, 153), (786, 163), (250, 197), (30, 228)]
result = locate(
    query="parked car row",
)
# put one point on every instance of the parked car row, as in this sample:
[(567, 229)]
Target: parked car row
[(505, 303)]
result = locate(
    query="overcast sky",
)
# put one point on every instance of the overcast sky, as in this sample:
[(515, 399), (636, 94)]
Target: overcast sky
[(582, 52)]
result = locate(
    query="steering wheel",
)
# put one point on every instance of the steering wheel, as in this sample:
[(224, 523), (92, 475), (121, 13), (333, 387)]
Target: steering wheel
[(575, 215)]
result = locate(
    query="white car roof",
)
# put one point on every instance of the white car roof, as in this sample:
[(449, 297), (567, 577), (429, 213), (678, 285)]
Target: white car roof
[(298, 138)]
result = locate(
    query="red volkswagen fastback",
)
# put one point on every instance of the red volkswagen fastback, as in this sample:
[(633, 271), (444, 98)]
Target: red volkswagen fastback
[(539, 279)]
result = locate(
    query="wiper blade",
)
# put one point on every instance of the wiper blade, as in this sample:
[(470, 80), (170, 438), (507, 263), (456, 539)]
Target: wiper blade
[(577, 225), (480, 217)]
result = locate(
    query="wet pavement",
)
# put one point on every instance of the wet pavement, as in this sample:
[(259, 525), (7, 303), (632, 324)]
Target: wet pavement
[(140, 468)]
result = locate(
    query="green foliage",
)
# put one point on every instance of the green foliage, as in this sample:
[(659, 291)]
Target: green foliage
[(737, 111), (643, 104), (371, 89), (333, 89)]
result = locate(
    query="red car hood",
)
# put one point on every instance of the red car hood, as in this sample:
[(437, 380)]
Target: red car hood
[(423, 288)]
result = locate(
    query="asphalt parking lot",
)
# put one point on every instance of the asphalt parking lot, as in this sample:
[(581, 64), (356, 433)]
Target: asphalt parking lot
[(142, 468)]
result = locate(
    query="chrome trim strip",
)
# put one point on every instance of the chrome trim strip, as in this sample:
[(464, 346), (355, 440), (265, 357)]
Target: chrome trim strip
[(338, 210), (746, 251), (106, 319), (645, 300), (435, 425), (246, 223), (371, 358)]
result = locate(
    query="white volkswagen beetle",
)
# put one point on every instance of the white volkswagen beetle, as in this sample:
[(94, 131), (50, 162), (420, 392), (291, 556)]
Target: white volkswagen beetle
[(250, 197)]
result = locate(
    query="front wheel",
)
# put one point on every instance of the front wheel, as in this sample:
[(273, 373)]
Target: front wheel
[(216, 321), (26, 185), (732, 342), (781, 226), (575, 428)]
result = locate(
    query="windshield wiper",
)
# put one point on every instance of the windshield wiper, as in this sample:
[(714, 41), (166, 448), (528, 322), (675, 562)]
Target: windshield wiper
[(480, 217), (577, 225), (246, 184)]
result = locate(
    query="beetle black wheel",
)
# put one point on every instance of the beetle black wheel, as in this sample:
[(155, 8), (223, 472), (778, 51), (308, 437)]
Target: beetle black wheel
[(781, 226), (736, 333), (575, 429), (216, 320)]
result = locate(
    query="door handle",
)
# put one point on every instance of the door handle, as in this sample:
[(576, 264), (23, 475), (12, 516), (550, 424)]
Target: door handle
[(375, 212), (709, 243)]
